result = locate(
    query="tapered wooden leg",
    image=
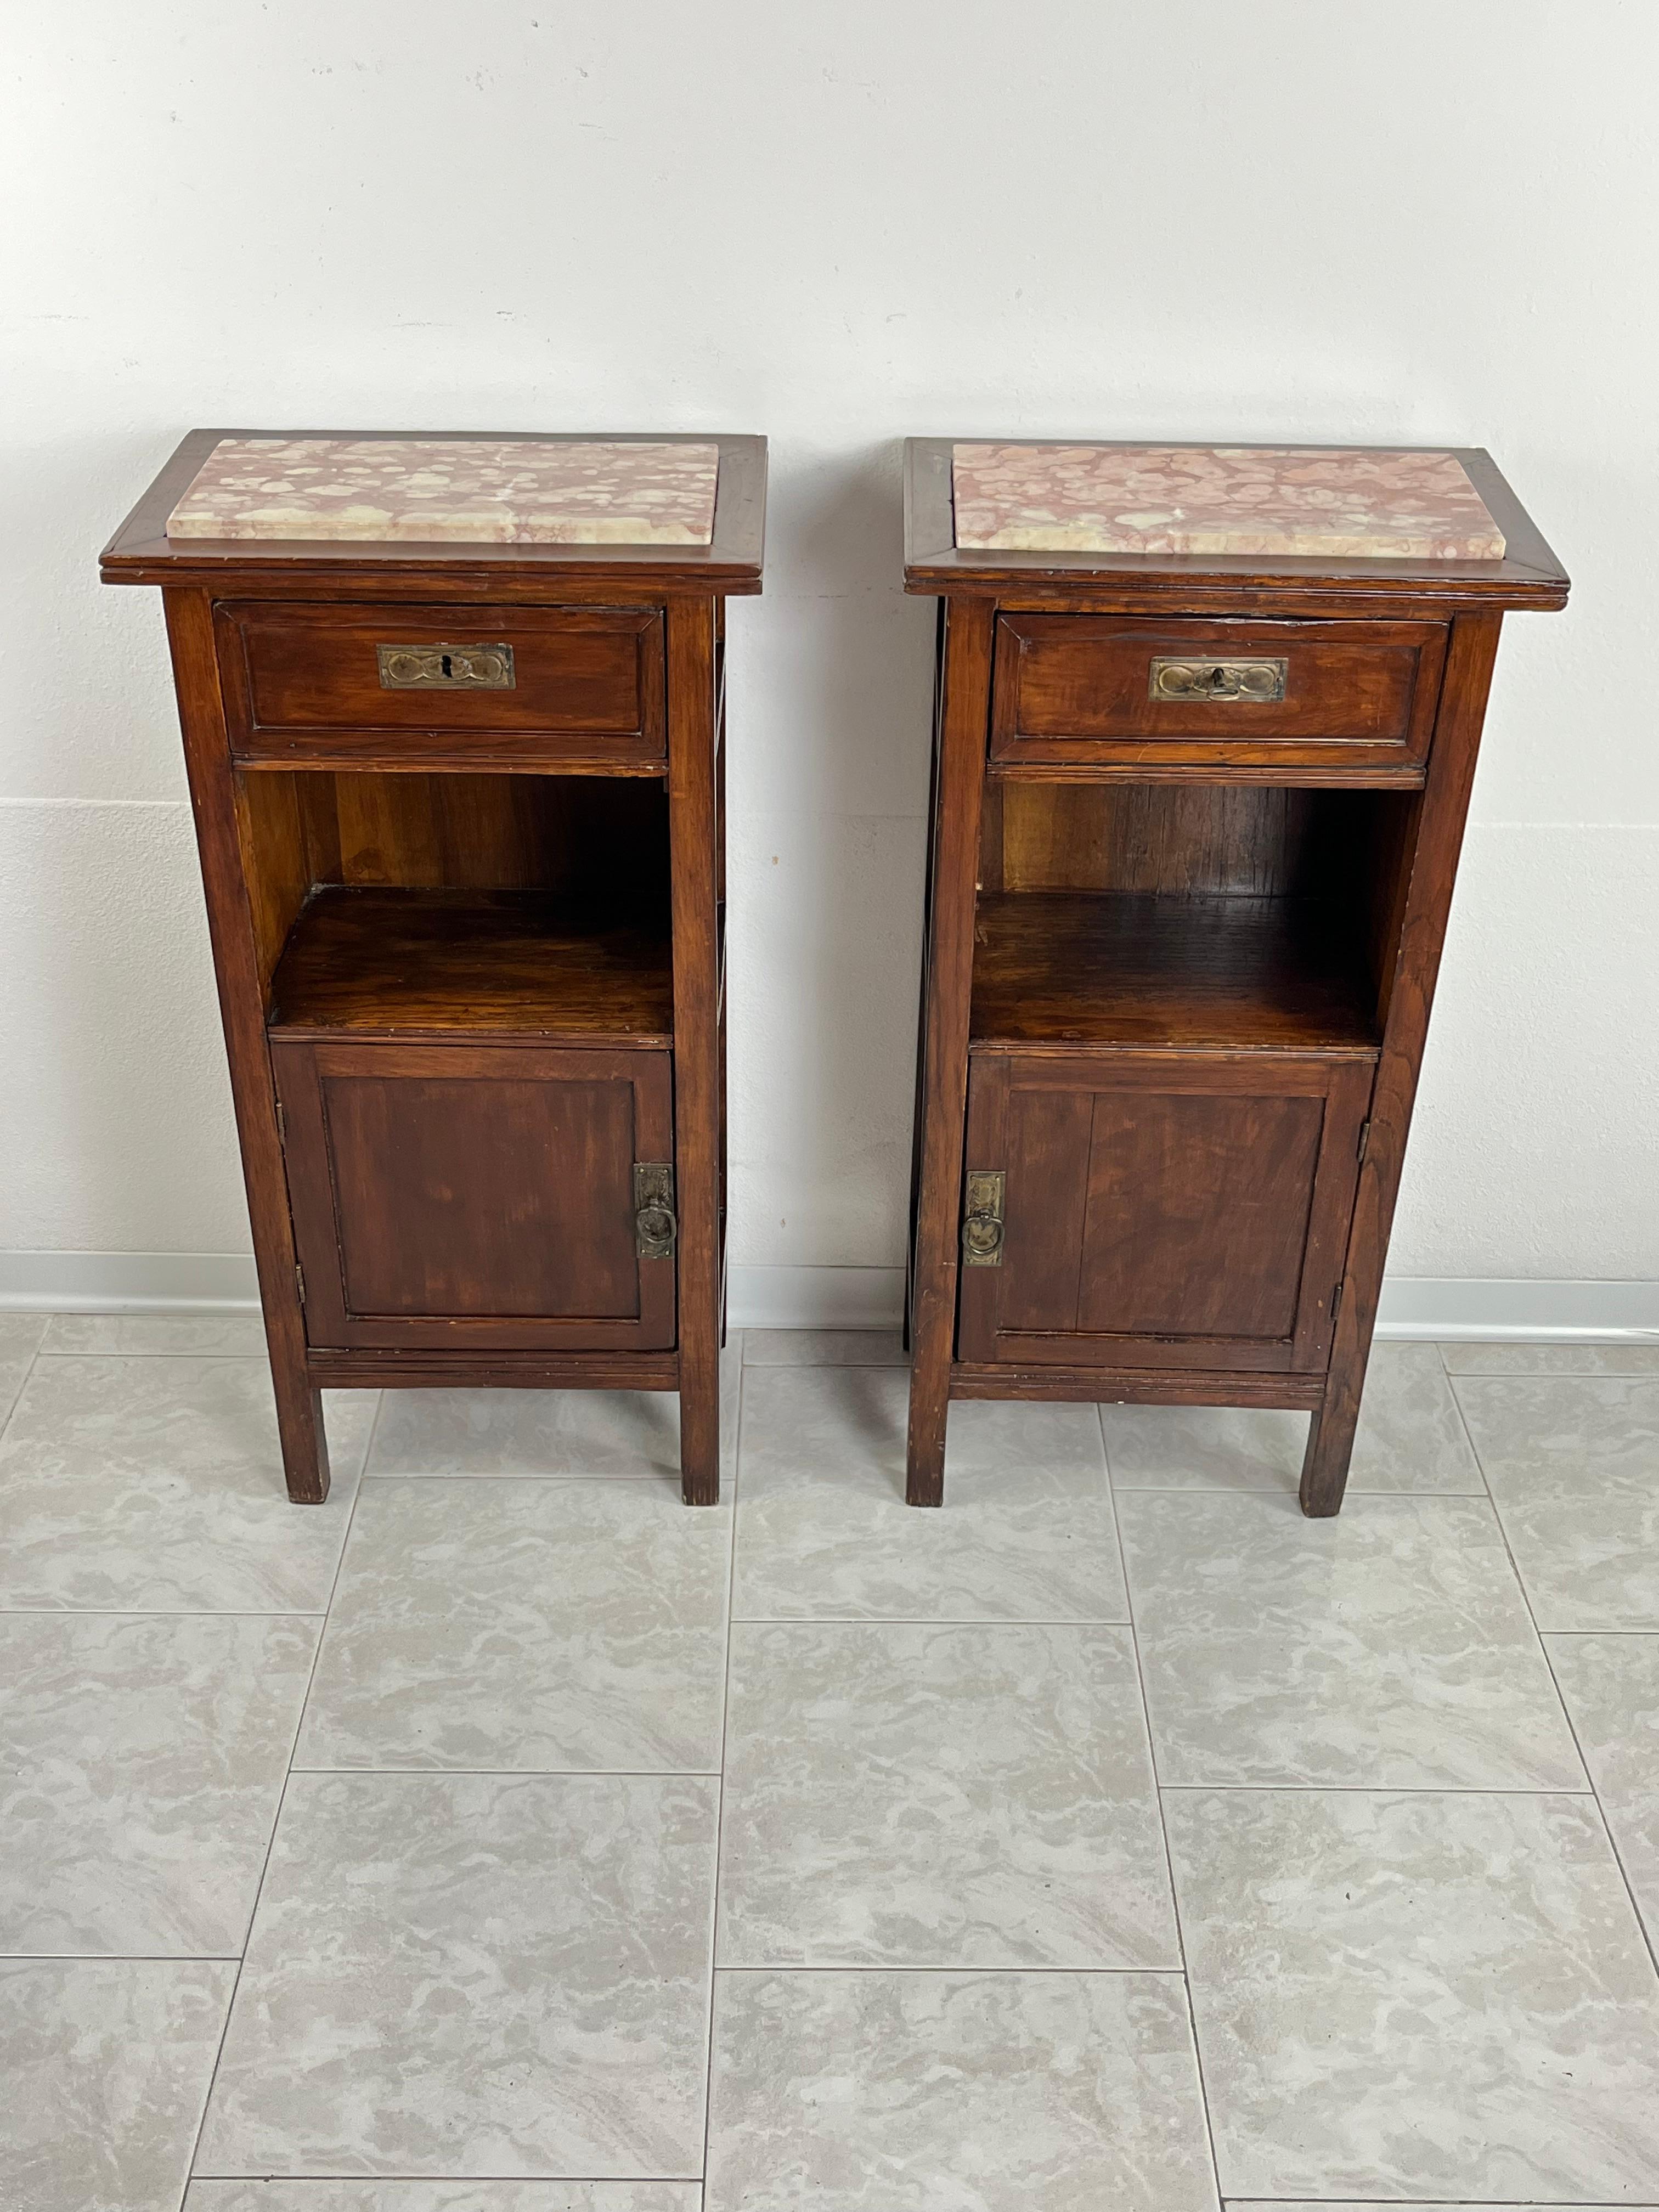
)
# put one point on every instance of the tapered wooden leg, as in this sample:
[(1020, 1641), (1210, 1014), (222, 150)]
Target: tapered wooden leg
[(699, 1437), (693, 833), (964, 711), (1325, 1463), (305, 1446)]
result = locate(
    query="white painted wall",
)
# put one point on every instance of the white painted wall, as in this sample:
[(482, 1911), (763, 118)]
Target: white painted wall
[(1391, 220)]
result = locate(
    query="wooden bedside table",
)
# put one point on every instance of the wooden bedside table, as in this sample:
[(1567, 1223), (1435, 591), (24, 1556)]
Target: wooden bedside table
[(1205, 724), (454, 712)]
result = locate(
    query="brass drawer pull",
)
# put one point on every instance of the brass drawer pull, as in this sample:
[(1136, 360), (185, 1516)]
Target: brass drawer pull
[(654, 1226), (445, 667), (981, 1220), (1259, 680)]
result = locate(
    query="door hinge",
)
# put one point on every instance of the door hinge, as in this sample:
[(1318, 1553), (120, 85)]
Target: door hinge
[(1336, 1301), (1364, 1138), (281, 1124), (299, 1281), (982, 1218), (654, 1226)]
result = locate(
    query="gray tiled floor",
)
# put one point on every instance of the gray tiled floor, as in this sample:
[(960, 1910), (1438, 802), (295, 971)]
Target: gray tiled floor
[(502, 1838)]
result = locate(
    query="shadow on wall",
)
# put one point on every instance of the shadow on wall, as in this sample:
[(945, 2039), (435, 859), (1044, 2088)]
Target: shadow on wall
[(831, 694)]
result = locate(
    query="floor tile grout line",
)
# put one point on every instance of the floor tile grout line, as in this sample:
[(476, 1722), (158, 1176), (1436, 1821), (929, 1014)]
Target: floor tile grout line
[(1468, 1435), (1375, 1790), (11, 1410), (997, 1966), (1650, 1935), (719, 1794), (1163, 1825), (282, 1800), (1647, 1935)]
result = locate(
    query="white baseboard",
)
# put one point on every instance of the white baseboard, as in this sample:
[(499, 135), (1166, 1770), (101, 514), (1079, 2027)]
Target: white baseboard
[(832, 1298)]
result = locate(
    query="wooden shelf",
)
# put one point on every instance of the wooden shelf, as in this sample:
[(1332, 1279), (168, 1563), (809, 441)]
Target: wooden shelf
[(474, 963), (1188, 969)]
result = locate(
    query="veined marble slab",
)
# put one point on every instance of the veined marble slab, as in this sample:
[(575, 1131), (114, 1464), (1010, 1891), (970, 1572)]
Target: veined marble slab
[(482, 491), (1348, 503)]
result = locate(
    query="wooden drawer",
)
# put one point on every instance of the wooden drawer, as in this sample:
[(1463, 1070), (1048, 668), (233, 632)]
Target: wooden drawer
[(475, 1197), (443, 686), (1161, 1209), (1147, 697)]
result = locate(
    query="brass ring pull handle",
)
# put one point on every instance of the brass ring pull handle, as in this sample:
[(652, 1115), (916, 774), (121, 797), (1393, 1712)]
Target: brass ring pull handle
[(981, 1219), (1250, 680), (655, 1231), (981, 1237), (655, 1228)]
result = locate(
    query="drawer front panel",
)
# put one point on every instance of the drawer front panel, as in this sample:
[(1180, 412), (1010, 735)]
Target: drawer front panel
[(1175, 1213), (477, 1196), (472, 684), (1110, 691)]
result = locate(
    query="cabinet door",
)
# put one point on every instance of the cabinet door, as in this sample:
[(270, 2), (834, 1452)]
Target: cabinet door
[(465, 1195), (1163, 1211)]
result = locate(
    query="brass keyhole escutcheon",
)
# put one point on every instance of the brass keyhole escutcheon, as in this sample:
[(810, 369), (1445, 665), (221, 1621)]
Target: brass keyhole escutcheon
[(1253, 680)]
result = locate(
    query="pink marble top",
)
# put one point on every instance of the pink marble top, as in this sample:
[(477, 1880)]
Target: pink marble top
[(1347, 501), (496, 491)]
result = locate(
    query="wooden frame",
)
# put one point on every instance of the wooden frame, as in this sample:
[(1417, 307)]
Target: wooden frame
[(1385, 865), (265, 849)]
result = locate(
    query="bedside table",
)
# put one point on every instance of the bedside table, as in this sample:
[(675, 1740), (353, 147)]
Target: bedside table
[(453, 714), (1205, 724)]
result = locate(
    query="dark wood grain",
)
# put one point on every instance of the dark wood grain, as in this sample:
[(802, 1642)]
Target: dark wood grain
[(693, 841), (1427, 862), (958, 782), (238, 971), (464, 1194), (402, 963), (1074, 691), (1530, 575), (141, 552), (1120, 1386), (1187, 949), (1129, 968), (302, 683), (488, 930), (1162, 1210), (475, 1370)]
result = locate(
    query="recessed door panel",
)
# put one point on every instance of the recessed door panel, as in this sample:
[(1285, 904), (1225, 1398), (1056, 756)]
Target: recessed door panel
[(1162, 1212), (456, 1195)]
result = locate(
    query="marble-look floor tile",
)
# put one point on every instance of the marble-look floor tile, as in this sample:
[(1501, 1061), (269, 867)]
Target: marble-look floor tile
[(1389, 1648), (475, 1974), (1555, 1437), (1587, 1563), (824, 1347), (1570, 1358), (615, 1432), (145, 1485), (106, 2064), (1326, 2204), (20, 1336), (925, 1796), (443, 2196), (938, 2092), (220, 1335), (1410, 1437), (1026, 1531), (1417, 1996), (141, 1764), (1611, 1684), (513, 1624)]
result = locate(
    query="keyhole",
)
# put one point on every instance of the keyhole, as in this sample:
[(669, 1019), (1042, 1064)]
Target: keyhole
[(448, 671)]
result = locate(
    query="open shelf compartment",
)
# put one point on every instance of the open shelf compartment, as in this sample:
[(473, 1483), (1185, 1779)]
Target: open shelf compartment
[(456, 907), (1195, 917)]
